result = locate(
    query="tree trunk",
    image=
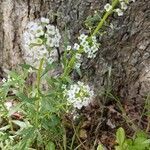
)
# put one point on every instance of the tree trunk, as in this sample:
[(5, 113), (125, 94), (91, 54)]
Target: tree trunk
[(126, 48)]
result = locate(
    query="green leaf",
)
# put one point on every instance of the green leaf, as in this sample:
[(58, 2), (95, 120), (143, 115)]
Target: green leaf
[(39, 138), (28, 136), (53, 82), (47, 106), (5, 128), (3, 92), (68, 79), (50, 146), (141, 143), (146, 141), (54, 121), (79, 72), (100, 147), (49, 67), (117, 148), (26, 66), (25, 98), (120, 136), (127, 1), (21, 124)]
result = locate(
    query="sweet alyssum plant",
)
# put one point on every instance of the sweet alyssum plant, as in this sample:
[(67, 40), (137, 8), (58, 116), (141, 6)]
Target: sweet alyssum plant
[(31, 116)]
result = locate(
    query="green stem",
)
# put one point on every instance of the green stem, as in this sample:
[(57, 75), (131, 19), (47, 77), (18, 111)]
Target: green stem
[(114, 3), (75, 132), (39, 73), (8, 118), (11, 125), (125, 116), (69, 67), (64, 140)]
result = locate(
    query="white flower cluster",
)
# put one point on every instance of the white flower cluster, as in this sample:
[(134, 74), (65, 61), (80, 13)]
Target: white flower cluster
[(79, 95), (88, 45), (119, 11), (123, 5), (9, 79), (40, 41), (78, 60), (107, 7)]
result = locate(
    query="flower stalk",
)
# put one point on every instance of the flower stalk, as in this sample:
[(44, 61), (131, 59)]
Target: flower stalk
[(39, 73), (114, 4)]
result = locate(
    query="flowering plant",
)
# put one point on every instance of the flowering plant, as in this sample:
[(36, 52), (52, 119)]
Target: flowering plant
[(40, 111), (40, 40)]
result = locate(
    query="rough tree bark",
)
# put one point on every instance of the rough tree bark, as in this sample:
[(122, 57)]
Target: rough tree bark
[(126, 49)]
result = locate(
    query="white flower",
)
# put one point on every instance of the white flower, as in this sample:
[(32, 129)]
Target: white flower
[(38, 40), (107, 7), (79, 95), (30, 70), (82, 37), (77, 65), (53, 36), (76, 46), (9, 78), (84, 43), (50, 60), (119, 12), (40, 33), (78, 105), (78, 61), (49, 42), (68, 48), (94, 39), (38, 29), (57, 40), (90, 47), (111, 26), (78, 56), (123, 5), (45, 20), (32, 26), (8, 105), (132, 0), (63, 86), (4, 80), (51, 29)]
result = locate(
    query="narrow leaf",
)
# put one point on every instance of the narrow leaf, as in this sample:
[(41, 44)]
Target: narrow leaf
[(120, 135)]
